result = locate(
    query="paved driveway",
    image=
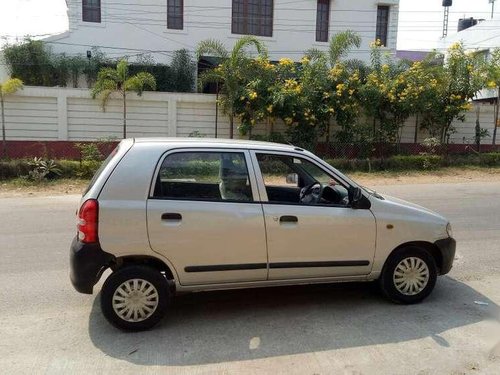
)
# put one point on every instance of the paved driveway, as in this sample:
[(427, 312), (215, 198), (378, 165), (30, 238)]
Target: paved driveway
[(46, 327)]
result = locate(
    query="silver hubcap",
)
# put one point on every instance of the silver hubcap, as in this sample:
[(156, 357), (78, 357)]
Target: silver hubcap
[(411, 276), (135, 300)]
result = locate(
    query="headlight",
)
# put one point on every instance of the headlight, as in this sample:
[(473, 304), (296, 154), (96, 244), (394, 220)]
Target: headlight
[(448, 230)]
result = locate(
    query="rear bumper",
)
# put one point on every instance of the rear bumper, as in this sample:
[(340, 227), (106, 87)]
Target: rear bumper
[(447, 248), (87, 263)]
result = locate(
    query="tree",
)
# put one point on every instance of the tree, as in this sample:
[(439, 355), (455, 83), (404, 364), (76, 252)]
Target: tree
[(232, 71), (7, 88), (183, 69), (117, 80), (336, 81), (340, 45), (494, 83), (31, 62), (384, 96), (457, 82)]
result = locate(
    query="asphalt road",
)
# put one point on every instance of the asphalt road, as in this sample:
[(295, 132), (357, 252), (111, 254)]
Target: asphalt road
[(47, 327)]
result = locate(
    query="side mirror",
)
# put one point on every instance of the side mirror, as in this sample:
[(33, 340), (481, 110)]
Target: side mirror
[(355, 196), (292, 178)]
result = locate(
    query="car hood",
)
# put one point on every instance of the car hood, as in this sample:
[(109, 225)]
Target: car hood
[(417, 209)]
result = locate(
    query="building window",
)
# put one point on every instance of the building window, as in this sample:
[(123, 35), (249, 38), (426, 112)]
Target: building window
[(252, 17), (382, 23), (322, 20), (175, 14), (91, 10)]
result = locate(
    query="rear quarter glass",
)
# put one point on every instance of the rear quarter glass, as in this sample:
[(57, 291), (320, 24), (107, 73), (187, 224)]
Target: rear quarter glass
[(101, 168)]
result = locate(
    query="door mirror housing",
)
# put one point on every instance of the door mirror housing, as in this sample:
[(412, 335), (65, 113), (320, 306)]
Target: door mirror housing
[(357, 199)]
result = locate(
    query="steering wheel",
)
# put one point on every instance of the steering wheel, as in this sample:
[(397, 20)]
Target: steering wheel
[(311, 193)]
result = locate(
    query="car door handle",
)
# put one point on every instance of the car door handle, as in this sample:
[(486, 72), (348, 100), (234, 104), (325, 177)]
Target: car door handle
[(171, 216), (289, 219)]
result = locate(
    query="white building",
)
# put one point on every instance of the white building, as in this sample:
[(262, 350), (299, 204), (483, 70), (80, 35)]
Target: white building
[(288, 27), (482, 37), (485, 35)]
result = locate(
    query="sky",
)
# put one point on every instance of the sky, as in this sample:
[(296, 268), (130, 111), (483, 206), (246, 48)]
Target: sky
[(420, 21)]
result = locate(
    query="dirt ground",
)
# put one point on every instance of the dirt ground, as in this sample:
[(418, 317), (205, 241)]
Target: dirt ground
[(447, 175), (9, 189)]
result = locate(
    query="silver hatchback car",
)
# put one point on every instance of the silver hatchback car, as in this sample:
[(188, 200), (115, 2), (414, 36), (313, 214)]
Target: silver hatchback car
[(177, 215)]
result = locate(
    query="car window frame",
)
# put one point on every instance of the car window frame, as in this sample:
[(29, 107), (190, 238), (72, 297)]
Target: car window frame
[(262, 187), (249, 165)]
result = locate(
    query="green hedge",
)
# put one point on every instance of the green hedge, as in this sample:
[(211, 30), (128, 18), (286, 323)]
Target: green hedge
[(86, 169), (415, 162), (69, 168)]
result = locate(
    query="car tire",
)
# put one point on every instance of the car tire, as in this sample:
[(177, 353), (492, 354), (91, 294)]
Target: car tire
[(135, 298), (409, 275)]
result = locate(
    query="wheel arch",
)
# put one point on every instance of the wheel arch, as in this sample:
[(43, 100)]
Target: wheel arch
[(430, 247), (144, 260)]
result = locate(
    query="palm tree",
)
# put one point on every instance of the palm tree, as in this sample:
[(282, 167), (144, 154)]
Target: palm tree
[(7, 88), (117, 80), (228, 73), (340, 45)]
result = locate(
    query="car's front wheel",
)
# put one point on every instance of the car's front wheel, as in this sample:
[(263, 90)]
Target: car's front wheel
[(135, 298), (409, 275)]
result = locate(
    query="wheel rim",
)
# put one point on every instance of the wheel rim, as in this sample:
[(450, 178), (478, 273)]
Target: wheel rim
[(135, 300), (411, 276)]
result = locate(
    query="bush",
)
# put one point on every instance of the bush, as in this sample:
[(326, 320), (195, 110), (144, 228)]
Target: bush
[(66, 169), (87, 168), (34, 62), (14, 168), (89, 151), (396, 163), (413, 162), (491, 159)]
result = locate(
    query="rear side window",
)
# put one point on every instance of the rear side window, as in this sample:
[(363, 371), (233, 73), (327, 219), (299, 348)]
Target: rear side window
[(101, 168), (212, 176)]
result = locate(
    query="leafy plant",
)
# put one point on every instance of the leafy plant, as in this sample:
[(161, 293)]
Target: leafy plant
[(89, 151), (431, 145), (119, 81), (196, 134), (42, 169)]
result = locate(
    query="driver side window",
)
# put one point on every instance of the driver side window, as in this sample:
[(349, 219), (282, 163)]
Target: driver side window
[(290, 179)]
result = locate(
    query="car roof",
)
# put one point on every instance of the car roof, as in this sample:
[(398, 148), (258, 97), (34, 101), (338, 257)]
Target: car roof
[(217, 142)]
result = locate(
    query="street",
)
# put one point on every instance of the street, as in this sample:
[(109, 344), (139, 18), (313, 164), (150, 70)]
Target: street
[(47, 327)]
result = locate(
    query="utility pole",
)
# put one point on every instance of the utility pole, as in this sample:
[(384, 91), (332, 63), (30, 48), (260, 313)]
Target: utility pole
[(492, 2)]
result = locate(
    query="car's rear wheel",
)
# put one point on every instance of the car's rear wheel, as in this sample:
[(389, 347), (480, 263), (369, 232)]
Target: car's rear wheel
[(135, 298), (409, 275)]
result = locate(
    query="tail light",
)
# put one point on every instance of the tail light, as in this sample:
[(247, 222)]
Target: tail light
[(88, 216)]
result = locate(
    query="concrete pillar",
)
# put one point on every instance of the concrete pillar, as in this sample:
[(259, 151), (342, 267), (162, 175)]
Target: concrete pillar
[(172, 118), (62, 116)]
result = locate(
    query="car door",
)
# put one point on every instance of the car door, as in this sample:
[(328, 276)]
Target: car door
[(310, 240), (204, 216)]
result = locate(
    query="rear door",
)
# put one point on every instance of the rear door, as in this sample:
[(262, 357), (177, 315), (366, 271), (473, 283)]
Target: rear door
[(205, 217)]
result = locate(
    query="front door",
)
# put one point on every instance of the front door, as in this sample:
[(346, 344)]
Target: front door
[(204, 217), (309, 235)]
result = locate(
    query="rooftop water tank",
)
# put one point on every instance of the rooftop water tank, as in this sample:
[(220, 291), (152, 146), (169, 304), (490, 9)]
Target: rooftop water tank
[(465, 23)]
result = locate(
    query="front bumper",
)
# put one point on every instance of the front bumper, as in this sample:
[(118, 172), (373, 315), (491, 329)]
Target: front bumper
[(87, 263), (447, 248)]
